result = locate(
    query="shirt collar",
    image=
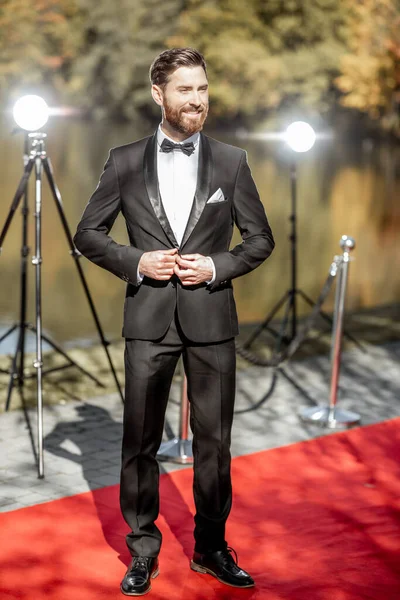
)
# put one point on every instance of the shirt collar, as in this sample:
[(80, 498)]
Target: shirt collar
[(161, 136)]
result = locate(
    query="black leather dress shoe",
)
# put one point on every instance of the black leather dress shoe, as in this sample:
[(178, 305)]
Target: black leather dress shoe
[(223, 566), (137, 578)]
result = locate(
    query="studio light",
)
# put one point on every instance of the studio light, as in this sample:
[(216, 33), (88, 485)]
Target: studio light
[(31, 113), (300, 136)]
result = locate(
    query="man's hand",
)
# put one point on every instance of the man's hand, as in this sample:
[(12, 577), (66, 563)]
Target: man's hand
[(193, 269), (158, 264)]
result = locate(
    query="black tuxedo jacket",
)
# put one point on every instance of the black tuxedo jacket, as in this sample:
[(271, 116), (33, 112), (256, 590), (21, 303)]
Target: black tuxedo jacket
[(129, 184)]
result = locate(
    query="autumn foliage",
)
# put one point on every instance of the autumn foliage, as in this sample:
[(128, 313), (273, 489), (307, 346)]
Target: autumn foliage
[(263, 57)]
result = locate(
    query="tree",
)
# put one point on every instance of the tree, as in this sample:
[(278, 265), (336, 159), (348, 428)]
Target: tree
[(265, 55), (120, 41), (370, 69), (94, 54), (38, 43)]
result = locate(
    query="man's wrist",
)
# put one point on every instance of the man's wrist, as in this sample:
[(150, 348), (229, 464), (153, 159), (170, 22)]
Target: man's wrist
[(139, 275), (214, 274)]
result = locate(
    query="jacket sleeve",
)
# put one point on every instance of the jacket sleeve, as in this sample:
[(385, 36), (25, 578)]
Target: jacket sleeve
[(92, 239), (251, 220)]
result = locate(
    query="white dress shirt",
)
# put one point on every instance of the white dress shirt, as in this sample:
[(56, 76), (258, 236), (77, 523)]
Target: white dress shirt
[(177, 182)]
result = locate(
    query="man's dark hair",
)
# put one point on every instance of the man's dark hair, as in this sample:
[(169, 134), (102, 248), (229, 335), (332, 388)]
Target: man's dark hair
[(168, 61)]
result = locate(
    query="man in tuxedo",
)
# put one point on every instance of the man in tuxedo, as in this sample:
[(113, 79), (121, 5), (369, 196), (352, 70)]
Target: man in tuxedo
[(180, 193)]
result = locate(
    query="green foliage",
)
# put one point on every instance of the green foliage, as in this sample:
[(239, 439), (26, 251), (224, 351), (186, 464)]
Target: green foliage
[(120, 42), (95, 54), (263, 55)]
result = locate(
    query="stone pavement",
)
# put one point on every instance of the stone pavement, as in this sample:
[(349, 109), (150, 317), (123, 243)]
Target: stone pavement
[(82, 439)]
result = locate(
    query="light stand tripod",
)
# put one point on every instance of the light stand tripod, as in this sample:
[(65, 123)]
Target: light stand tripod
[(38, 159), (290, 296)]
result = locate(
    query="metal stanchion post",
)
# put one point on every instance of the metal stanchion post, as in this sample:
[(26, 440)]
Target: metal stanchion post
[(179, 449), (331, 416), (37, 261)]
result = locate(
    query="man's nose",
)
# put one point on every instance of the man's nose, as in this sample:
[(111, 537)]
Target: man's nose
[(195, 99)]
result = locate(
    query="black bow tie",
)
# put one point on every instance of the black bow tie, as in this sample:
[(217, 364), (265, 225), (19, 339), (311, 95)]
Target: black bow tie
[(167, 146)]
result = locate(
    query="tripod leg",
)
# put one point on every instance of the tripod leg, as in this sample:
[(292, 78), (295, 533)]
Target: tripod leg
[(65, 355), (29, 426), (290, 295), (21, 190), (284, 323), (14, 370), (18, 195), (330, 320), (296, 385), (293, 246), (266, 321), (58, 200), (24, 289), (8, 332)]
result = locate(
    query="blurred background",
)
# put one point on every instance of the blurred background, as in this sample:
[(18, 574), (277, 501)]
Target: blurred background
[(334, 64)]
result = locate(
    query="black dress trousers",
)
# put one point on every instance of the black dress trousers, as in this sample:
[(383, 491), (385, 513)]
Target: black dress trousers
[(210, 371)]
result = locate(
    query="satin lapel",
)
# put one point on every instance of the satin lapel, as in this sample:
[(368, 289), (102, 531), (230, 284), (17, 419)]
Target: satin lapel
[(151, 181), (204, 175)]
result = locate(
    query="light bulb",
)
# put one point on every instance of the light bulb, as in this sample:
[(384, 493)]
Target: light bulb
[(31, 112), (300, 136)]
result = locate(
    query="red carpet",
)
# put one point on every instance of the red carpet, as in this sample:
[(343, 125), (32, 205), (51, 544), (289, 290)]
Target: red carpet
[(317, 520)]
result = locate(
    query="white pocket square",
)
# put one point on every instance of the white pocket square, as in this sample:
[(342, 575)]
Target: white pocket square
[(218, 196)]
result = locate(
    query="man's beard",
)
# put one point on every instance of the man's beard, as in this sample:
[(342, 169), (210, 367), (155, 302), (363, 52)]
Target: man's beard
[(180, 122)]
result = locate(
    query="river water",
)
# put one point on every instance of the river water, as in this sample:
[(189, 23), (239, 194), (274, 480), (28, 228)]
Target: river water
[(343, 188)]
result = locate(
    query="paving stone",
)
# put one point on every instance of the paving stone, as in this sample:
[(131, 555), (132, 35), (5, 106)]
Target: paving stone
[(8, 473), (11, 506), (104, 455), (57, 491), (32, 498), (83, 448), (10, 489), (69, 467), (114, 470), (27, 482), (91, 462), (95, 485), (106, 479), (116, 463)]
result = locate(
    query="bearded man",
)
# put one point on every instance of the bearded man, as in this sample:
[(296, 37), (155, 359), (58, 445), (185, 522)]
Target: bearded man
[(180, 193)]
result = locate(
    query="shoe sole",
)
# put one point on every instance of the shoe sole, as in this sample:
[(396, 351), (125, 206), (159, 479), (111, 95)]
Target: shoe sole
[(152, 576), (203, 570)]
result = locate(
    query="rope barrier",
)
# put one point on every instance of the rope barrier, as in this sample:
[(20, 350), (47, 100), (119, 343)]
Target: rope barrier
[(280, 357)]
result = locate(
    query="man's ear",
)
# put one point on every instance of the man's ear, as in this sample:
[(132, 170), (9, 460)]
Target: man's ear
[(157, 94)]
